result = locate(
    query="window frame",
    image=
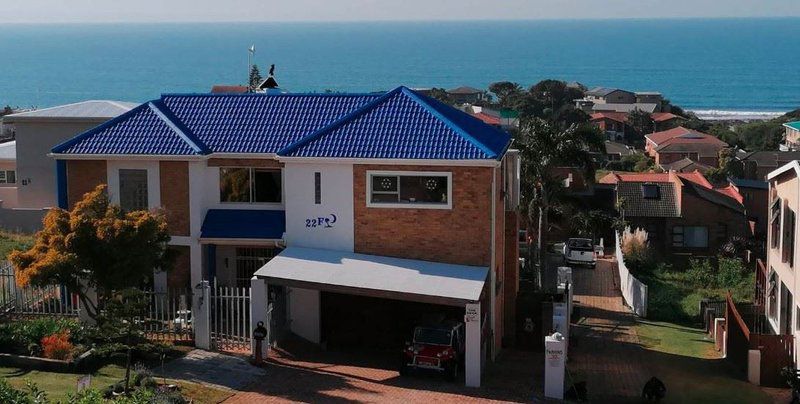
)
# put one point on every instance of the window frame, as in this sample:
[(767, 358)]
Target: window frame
[(682, 236), (6, 176), (252, 186), (122, 172), (409, 205)]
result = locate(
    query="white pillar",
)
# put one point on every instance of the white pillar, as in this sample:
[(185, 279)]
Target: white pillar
[(472, 354), (200, 312), (258, 311), (554, 354)]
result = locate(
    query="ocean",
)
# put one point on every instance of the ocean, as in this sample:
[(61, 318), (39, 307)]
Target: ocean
[(718, 66)]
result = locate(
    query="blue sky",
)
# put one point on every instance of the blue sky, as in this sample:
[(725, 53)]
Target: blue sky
[(48, 11)]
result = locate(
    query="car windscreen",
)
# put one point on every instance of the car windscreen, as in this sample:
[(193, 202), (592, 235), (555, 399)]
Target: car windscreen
[(436, 336), (581, 244)]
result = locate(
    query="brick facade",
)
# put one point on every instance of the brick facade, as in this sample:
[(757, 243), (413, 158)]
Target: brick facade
[(84, 176), (179, 276), (499, 256), (461, 235), (174, 183), (510, 275)]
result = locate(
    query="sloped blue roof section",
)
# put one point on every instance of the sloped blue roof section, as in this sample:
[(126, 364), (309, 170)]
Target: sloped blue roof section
[(144, 130), (404, 125), (243, 224), (400, 124)]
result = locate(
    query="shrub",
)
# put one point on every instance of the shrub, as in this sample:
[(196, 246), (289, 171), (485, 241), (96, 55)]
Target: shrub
[(700, 273), (730, 273), (25, 336), (33, 395), (57, 346), (635, 249)]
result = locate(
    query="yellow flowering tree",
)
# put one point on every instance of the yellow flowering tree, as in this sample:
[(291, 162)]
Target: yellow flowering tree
[(95, 245)]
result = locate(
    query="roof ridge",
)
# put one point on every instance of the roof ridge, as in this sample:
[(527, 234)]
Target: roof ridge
[(183, 132), (27, 113), (452, 125), (61, 147), (337, 123), (374, 94)]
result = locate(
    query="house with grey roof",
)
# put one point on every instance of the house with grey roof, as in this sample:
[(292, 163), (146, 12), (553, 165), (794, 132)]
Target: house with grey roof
[(40, 130), (466, 95)]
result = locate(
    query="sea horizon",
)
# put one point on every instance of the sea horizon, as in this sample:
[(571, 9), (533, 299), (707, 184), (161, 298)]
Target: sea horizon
[(716, 66)]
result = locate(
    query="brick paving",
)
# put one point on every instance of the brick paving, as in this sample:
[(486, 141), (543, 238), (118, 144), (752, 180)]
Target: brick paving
[(226, 371), (303, 373), (606, 351)]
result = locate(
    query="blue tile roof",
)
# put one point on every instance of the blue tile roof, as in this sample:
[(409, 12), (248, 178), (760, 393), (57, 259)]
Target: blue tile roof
[(404, 125), (400, 124), (244, 224)]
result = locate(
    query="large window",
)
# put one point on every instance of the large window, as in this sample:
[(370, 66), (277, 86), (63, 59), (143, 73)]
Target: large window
[(775, 223), (8, 177), (133, 190), (787, 245), (690, 236), (409, 189), (249, 185)]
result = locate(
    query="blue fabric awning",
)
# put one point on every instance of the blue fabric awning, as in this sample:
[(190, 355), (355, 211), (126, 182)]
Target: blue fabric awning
[(243, 224)]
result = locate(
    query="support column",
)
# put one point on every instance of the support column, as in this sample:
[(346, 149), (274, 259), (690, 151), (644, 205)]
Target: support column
[(472, 354), (258, 312), (200, 312), (83, 315)]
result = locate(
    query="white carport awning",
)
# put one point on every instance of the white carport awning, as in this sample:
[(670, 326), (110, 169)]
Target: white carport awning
[(376, 276)]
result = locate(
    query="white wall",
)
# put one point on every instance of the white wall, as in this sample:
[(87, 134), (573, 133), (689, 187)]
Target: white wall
[(301, 211), (304, 313), (34, 167)]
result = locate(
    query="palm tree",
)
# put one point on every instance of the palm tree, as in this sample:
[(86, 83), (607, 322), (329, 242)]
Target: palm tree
[(543, 146)]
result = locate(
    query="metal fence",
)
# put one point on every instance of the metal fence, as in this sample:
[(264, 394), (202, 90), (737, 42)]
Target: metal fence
[(52, 300), (230, 318), (169, 315)]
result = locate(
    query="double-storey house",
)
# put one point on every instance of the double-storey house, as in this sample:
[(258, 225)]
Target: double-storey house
[(791, 139), (681, 143), (348, 215), (683, 214)]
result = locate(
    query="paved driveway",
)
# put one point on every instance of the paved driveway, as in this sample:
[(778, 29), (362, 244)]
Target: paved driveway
[(305, 374)]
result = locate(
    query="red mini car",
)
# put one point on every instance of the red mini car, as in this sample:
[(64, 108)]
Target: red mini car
[(438, 347)]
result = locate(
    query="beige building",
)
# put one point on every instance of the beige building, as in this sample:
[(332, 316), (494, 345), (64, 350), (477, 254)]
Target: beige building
[(39, 131), (8, 175), (781, 307)]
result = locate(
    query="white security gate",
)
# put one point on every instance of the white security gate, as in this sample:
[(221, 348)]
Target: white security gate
[(230, 318), (51, 300)]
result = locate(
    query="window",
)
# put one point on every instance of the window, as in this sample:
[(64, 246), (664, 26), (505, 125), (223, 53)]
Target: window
[(249, 185), (421, 189), (133, 190), (8, 177), (775, 223), (772, 294), (787, 245), (690, 236), (317, 188), (249, 260), (650, 191)]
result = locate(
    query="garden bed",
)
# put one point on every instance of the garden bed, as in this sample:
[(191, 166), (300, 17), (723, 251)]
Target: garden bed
[(83, 363)]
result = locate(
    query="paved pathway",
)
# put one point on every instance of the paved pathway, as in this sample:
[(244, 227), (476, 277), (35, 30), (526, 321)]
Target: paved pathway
[(606, 351), (213, 368)]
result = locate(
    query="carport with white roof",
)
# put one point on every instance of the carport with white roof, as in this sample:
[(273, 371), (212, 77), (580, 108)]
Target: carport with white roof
[(380, 277)]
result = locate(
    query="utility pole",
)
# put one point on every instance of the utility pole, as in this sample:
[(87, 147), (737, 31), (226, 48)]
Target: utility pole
[(251, 52)]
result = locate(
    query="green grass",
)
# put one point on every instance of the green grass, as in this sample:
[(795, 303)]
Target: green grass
[(685, 360), (58, 385), (12, 241)]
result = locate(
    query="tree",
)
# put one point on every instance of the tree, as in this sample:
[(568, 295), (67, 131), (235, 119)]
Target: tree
[(507, 93), (641, 123), (255, 78), (96, 245), (543, 146), (441, 95)]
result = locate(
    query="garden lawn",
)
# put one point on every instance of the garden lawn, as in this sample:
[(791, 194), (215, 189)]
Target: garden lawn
[(57, 385), (685, 360), (12, 241)]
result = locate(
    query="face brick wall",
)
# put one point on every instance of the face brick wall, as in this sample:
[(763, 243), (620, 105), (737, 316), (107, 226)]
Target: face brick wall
[(178, 277), (174, 184), (461, 235), (82, 177), (499, 257)]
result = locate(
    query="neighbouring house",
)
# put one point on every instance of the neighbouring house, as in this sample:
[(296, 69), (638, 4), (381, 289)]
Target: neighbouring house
[(350, 217), (680, 143), (781, 284), (757, 165), (613, 124), (466, 95), (616, 151), (791, 140), (606, 95), (665, 120), (38, 131), (683, 214), (626, 108), (8, 175), (755, 197), (504, 118), (649, 97), (229, 89), (686, 165)]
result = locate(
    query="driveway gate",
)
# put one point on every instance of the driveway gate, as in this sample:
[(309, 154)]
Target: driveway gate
[(230, 318)]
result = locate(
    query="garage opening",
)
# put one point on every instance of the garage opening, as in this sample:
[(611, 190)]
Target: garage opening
[(358, 323)]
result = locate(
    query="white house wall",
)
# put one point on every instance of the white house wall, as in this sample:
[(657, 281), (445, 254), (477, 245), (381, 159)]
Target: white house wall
[(304, 313), (303, 228)]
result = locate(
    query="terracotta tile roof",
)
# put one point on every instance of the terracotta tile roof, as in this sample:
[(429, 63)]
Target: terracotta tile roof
[(486, 118), (732, 192), (683, 135), (225, 89), (663, 116), (614, 116)]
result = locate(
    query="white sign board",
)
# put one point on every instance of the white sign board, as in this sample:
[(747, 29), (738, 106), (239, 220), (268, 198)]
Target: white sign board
[(554, 354)]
